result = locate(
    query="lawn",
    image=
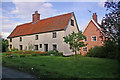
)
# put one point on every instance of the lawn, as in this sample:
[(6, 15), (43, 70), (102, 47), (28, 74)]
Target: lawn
[(64, 67)]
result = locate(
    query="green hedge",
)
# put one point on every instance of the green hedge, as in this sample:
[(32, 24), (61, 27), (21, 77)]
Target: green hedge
[(55, 53)]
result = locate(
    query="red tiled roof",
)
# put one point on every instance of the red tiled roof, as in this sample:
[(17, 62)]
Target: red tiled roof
[(44, 25)]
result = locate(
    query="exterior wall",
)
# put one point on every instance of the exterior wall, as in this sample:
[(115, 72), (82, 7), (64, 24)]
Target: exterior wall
[(46, 38), (43, 38), (90, 31), (69, 29)]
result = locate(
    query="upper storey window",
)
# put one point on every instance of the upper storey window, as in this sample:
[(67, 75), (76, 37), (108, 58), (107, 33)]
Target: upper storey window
[(72, 22), (20, 39), (54, 34), (94, 38), (10, 39), (36, 37)]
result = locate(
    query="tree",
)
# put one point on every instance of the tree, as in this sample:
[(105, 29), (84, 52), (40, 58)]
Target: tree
[(75, 41), (4, 45), (111, 21), (111, 24)]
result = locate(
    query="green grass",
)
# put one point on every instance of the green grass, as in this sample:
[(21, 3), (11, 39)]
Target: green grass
[(65, 67)]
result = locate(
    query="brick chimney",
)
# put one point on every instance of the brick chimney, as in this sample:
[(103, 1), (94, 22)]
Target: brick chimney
[(94, 17), (35, 17)]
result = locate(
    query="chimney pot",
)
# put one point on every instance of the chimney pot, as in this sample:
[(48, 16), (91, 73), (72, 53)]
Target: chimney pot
[(94, 17), (35, 17)]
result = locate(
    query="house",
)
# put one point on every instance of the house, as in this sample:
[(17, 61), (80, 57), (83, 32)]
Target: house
[(44, 34), (94, 35)]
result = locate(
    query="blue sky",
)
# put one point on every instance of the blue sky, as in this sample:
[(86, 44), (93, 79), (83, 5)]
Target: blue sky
[(16, 13)]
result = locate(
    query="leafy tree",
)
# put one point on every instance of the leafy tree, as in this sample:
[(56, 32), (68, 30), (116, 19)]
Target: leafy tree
[(75, 41), (111, 23), (4, 45)]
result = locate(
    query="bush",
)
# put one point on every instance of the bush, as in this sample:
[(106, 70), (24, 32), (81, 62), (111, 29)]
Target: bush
[(59, 54), (16, 55), (13, 50), (56, 53), (22, 55), (103, 52), (97, 52), (34, 54), (50, 52), (28, 55)]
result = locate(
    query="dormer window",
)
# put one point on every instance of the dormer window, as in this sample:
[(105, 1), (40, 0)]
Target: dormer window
[(20, 39), (36, 37), (10, 39), (72, 22), (54, 34)]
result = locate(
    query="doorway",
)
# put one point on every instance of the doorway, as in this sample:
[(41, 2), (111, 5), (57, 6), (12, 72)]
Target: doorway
[(45, 47)]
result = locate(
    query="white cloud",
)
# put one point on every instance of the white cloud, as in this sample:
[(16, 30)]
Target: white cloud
[(24, 10), (4, 34), (101, 3), (22, 13), (47, 5)]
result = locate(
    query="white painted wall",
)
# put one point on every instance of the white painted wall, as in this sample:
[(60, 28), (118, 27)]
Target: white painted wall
[(46, 38)]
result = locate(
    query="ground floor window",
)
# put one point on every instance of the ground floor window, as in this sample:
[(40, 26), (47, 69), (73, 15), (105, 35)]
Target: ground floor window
[(36, 47), (21, 47), (40, 45), (84, 49), (54, 47), (10, 46)]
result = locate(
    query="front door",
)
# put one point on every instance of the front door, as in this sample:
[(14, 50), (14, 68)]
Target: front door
[(45, 47)]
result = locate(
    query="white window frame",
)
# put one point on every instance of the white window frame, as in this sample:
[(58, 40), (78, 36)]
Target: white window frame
[(92, 38), (83, 49)]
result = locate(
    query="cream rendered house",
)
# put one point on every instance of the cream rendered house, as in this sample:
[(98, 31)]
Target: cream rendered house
[(44, 35)]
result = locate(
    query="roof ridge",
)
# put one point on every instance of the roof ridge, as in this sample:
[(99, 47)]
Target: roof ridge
[(56, 16)]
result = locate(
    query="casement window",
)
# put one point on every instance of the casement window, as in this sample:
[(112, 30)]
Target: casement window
[(54, 34), (84, 49), (36, 47), (10, 46), (94, 38), (20, 39), (54, 47), (21, 47), (72, 22), (10, 39), (40, 45), (36, 37)]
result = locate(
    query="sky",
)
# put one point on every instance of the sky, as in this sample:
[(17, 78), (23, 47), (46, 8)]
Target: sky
[(16, 13)]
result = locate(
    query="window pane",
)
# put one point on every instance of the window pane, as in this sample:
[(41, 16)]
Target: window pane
[(72, 22), (54, 34), (84, 48), (40, 45), (20, 47), (36, 47), (10, 39), (93, 38), (54, 47), (36, 37), (20, 38)]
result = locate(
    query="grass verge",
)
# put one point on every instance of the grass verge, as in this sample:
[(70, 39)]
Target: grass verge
[(64, 67)]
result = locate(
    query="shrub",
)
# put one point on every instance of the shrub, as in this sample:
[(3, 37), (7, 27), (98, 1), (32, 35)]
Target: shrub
[(102, 52), (14, 49), (59, 54), (28, 55), (50, 52), (22, 55), (16, 55), (34, 54), (56, 53)]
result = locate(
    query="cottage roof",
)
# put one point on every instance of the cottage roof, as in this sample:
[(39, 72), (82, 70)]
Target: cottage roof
[(41, 26)]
